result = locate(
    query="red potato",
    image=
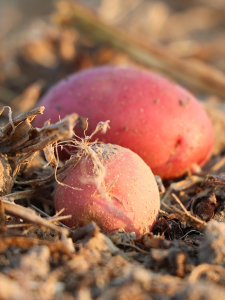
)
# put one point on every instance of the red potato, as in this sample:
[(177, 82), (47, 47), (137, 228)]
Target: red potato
[(157, 119), (132, 202)]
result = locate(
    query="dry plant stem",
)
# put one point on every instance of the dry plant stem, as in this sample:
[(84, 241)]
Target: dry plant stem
[(10, 117), (74, 160), (29, 193), (43, 140), (21, 242), (59, 212), (55, 173), (186, 217), (42, 213), (60, 218), (104, 126), (99, 169), (181, 204), (204, 268), (7, 129), (187, 183), (31, 114), (51, 133), (134, 246), (2, 216), (12, 226), (218, 165), (181, 185), (13, 137), (42, 144), (28, 215), (19, 139), (195, 74), (28, 242), (165, 198), (189, 233)]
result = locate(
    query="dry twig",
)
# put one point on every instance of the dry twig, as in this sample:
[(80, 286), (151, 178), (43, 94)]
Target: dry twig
[(185, 215), (30, 216), (204, 268), (134, 246)]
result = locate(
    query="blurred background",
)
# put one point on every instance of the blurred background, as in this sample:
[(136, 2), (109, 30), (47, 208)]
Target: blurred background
[(184, 40)]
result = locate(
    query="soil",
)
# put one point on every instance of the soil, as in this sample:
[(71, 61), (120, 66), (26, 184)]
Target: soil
[(40, 257)]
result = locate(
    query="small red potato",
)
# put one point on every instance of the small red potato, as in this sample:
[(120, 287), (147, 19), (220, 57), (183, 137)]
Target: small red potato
[(127, 197), (157, 119)]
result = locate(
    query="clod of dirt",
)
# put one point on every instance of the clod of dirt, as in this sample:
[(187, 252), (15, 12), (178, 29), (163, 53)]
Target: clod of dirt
[(14, 292), (36, 262), (173, 261), (212, 250), (121, 236), (6, 180), (200, 291)]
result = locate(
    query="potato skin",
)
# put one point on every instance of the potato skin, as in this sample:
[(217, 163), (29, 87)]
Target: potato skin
[(157, 119), (134, 198)]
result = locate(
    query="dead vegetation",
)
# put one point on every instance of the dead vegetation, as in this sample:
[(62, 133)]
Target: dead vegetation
[(40, 258)]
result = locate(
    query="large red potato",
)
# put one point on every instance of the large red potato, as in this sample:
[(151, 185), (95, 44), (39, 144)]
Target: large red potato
[(157, 119), (131, 203)]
